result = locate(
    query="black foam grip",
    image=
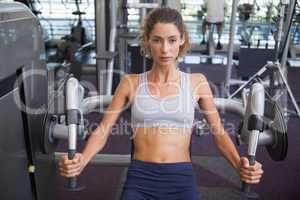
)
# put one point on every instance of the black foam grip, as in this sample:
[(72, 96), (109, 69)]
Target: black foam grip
[(246, 186), (72, 182)]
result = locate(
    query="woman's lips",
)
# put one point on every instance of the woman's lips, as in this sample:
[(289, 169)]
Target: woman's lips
[(164, 59)]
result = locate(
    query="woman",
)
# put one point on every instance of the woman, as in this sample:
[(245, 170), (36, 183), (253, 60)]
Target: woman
[(162, 102)]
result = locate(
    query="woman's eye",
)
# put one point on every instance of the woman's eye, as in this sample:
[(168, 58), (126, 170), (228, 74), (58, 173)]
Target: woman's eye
[(172, 41), (155, 40)]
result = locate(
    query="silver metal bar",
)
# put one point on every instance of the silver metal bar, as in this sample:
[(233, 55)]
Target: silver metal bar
[(231, 46), (230, 105), (112, 44), (255, 105), (289, 91), (266, 83), (105, 159), (288, 32), (280, 30), (253, 142), (100, 29), (72, 136), (73, 94), (91, 103)]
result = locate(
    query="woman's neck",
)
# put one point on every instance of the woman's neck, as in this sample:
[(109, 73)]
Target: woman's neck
[(164, 74)]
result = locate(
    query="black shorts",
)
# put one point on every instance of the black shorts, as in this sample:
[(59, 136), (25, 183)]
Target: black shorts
[(146, 181), (207, 23)]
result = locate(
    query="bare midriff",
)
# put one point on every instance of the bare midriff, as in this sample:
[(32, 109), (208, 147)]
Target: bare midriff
[(162, 145)]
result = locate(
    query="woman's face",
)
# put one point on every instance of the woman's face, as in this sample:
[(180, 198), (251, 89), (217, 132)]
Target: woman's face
[(164, 42)]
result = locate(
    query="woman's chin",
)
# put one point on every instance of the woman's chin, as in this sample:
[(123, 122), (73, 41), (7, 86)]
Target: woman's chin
[(166, 63)]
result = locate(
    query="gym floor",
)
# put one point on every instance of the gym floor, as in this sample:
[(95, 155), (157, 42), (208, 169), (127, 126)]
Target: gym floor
[(281, 180)]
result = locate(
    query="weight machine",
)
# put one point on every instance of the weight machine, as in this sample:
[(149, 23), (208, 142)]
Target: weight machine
[(264, 120), (42, 124)]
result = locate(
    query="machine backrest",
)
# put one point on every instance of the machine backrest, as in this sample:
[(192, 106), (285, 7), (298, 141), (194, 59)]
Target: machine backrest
[(23, 80)]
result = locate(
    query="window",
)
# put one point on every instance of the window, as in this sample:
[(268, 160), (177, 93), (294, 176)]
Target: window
[(57, 18)]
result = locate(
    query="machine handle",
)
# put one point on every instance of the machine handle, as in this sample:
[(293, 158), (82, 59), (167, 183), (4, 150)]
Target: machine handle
[(74, 96), (72, 181), (246, 187)]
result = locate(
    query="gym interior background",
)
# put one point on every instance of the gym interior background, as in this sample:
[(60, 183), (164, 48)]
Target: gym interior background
[(45, 42)]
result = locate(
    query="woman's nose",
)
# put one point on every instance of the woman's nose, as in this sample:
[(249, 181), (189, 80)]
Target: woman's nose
[(165, 46)]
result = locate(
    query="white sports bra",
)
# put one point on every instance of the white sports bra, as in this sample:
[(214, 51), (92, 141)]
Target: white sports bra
[(173, 111)]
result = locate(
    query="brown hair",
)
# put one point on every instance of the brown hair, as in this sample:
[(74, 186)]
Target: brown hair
[(162, 15)]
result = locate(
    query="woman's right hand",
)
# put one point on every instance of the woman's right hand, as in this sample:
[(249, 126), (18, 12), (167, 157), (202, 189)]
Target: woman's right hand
[(71, 168)]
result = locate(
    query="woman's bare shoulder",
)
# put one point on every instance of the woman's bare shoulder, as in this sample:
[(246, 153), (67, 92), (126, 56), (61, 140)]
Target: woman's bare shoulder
[(133, 76), (197, 78), (129, 83), (131, 79)]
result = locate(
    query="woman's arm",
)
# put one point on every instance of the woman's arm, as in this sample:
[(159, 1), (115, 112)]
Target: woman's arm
[(249, 174), (99, 137), (221, 138)]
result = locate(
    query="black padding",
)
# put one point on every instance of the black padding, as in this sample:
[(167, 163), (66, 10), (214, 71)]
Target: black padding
[(256, 122), (73, 117)]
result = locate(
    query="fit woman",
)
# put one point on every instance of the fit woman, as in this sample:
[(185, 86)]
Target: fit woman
[(162, 104)]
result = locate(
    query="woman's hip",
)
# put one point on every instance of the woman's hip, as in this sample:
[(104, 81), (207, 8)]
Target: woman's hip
[(161, 178)]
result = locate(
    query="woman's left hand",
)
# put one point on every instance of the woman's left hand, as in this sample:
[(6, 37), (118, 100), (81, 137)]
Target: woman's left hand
[(250, 174)]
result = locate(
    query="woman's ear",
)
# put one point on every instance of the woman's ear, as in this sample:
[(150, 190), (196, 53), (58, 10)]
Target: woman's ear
[(182, 40), (148, 49)]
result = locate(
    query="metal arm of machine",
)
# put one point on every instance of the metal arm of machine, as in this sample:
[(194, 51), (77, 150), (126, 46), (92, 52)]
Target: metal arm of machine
[(254, 112), (231, 105), (74, 95)]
